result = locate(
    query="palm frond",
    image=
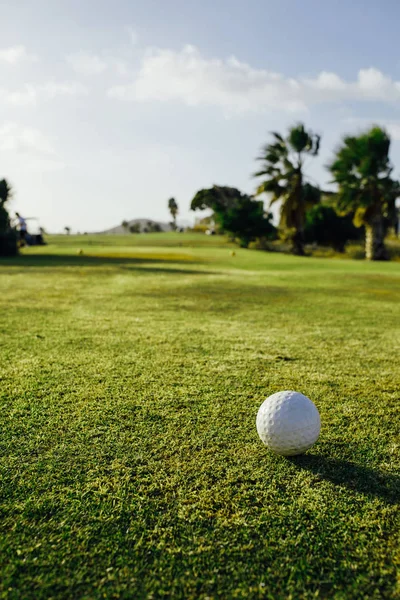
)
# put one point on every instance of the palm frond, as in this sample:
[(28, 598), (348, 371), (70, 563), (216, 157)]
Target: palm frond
[(278, 136), (359, 215), (316, 145), (270, 186)]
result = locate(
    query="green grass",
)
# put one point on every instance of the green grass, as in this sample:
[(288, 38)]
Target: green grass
[(130, 379)]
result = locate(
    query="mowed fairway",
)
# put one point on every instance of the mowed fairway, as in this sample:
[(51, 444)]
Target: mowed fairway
[(130, 379)]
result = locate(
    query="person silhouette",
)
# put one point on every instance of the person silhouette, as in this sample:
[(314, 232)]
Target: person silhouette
[(22, 227)]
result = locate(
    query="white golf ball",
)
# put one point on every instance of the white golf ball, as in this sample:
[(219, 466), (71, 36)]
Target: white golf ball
[(288, 423)]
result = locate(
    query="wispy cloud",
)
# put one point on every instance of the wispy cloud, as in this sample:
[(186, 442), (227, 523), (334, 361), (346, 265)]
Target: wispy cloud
[(36, 148), (120, 67), (93, 64), (19, 138), (86, 64), (31, 94), (25, 96), (15, 54), (52, 89), (236, 87), (133, 36)]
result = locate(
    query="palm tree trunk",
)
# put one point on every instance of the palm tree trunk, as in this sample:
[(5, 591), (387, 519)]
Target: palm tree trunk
[(298, 243), (298, 237), (375, 248)]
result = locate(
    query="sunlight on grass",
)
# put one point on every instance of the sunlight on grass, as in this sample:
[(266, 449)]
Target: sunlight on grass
[(130, 383)]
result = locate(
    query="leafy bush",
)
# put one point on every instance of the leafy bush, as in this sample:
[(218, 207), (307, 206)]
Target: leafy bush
[(236, 214), (8, 243), (325, 227)]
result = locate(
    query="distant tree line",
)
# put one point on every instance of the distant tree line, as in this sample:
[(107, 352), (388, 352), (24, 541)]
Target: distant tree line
[(363, 205), (149, 227)]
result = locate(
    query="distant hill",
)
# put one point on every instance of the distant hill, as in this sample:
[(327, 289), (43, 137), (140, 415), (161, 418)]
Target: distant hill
[(143, 224)]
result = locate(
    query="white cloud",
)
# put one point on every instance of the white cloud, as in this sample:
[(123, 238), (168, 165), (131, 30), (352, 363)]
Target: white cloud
[(30, 94), (86, 64), (18, 138), (120, 67), (50, 90), (15, 54), (92, 64), (188, 77), (25, 96), (236, 87), (30, 146)]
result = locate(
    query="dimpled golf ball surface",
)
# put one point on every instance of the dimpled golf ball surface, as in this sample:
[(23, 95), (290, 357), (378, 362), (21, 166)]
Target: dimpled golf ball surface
[(288, 423)]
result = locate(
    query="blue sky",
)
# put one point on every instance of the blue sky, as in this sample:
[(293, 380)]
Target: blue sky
[(109, 108)]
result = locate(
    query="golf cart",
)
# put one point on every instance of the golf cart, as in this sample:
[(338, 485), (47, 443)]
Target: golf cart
[(33, 237)]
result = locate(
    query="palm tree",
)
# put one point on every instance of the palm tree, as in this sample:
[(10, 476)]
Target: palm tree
[(125, 226), (284, 179), (362, 171), (67, 230), (173, 209)]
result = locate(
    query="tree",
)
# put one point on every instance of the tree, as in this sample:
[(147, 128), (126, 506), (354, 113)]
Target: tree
[(8, 235), (235, 213), (173, 209), (134, 228), (156, 228), (5, 196), (284, 179), (325, 227), (67, 230), (152, 227), (125, 226), (362, 171)]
